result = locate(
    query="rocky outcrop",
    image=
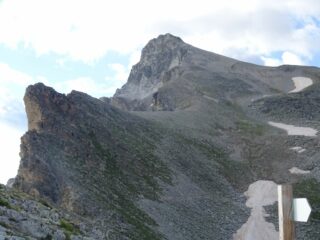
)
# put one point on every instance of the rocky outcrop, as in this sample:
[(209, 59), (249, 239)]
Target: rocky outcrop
[(24, 217), (83, 155), (158, 56), (43, 105), (38, 175)]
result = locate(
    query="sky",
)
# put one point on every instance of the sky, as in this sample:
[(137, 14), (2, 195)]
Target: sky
[(91, 45)]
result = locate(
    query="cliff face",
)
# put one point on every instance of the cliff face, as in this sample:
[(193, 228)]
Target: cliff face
[(177, 164), (46, 109), (88, 157)]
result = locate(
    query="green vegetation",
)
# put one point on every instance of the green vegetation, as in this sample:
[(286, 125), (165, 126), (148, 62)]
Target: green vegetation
[(235, 172), (5, 203), (67, 225), (143, 167), (48, 237), (126, 168), (7, 194), (310, 189), (111, 166), (124, 183), (13, 219), (250, 128), (136, 218), (67, 235), (44, 203), (69, 228), (3, 224)]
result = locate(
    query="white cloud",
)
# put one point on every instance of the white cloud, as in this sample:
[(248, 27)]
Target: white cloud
[(61, 62), (291, 58), (9, 75), (12, 118), (13, 84), (120, 72), (134, 58), (82, 84), (82, 30), (87, 30), (10, 142), (286, 58), (272, 62), (95, 88)]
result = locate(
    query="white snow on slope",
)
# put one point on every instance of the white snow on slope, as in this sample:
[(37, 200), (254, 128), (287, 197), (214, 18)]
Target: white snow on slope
[(298, 171), (301, 83), (294, 130), (298, 149), (260, 193)]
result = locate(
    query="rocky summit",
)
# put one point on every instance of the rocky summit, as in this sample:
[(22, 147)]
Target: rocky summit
[(191, 147)]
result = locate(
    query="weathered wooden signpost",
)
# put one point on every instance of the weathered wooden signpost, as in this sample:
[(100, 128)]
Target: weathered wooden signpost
[(290, 210), (286, 224)]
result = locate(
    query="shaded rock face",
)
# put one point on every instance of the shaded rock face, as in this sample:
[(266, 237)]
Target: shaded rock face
[(176, 165), (35, 174), (158, 57), (42, 105)]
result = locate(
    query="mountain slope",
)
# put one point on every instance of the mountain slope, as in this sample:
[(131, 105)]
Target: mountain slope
[(172, 153)]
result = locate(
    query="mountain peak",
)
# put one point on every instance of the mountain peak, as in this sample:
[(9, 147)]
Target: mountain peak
[(169, 36), (166, 39), (163, 43), (159, 56)]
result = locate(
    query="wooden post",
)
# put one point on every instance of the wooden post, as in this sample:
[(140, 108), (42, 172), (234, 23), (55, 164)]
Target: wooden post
[(285, 208)]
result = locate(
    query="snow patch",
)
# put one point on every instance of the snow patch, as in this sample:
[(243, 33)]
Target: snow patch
[(298, 149), (301, 83), (260, 193), (294, 130), (298, 171)]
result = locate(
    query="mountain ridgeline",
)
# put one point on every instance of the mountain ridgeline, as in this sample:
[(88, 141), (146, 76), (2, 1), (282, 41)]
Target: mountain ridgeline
[(170, 155)]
